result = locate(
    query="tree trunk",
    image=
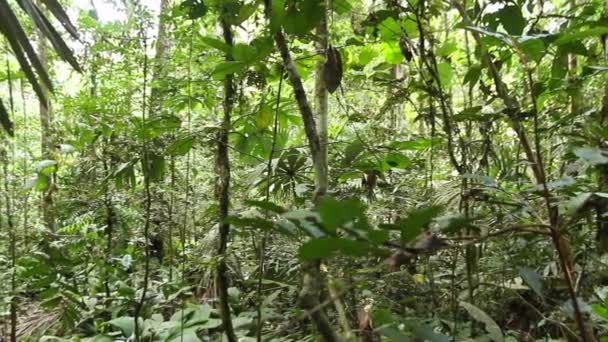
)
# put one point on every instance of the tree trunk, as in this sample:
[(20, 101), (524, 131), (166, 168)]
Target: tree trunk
[(223, 195), (602, 206), (46, 144), (311, 281), (161, 59)]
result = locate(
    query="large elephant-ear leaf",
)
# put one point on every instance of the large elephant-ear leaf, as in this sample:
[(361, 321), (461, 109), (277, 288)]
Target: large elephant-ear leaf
[(55, 7), (47, 29), (5, 29), (19, 41), (5, 120)]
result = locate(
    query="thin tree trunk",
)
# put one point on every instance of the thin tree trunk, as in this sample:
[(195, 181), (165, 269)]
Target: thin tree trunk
[(161, 58), (322, 179), (311, 282), (602, 206), (46, 144), (223, 195), (321, 104), (534, 157)]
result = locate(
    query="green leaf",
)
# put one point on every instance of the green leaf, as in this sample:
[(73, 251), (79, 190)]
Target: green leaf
[(346, 176), (533, 279), (480, 316), (325, 247), (426, 332), (265, 205), (335, 214), (194, 8), (472, 75), (569, 37), (366, 54), (302, 17), (47, 167), (161, 124), (448, 48), (395, 161), (391, 52), (445, 74), (341, 6), (593, 155), (221, 70), (512, 19), (416, 145), (181, 147), (264, 117), (533, 48), (126, 324), (245, 11), (216, 43), (352, 151), (412, 226), (389, 30), (600, 310)]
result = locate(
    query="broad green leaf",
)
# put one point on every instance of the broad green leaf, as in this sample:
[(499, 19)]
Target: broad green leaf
[(426, 332), (512, 19), (445, 74), (349, 175), (126, 324), (395, 161), (393, 334), (413, 225), (264, 117), (352, 151), (389, 30), (600, 310), (303, 18), (181, 147), (533, 48), (366, 54), (569, 37), (264, 205), (341, 6), (335, 214), (447, 49), (216, 43), (221, 70), (469, 114), (159, 125), (391, 52), (480, 316), (472, 75), (245, 12), (47, 167), (418, 144), (593, 155), (194, 8), (326, 247), (533, 279)]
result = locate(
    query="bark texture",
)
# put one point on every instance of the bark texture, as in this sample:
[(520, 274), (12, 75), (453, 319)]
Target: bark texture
[(312, 280), (46, 142), (223, 195)]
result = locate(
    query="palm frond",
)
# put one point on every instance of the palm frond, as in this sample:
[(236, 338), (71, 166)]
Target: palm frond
[(21, 45)]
